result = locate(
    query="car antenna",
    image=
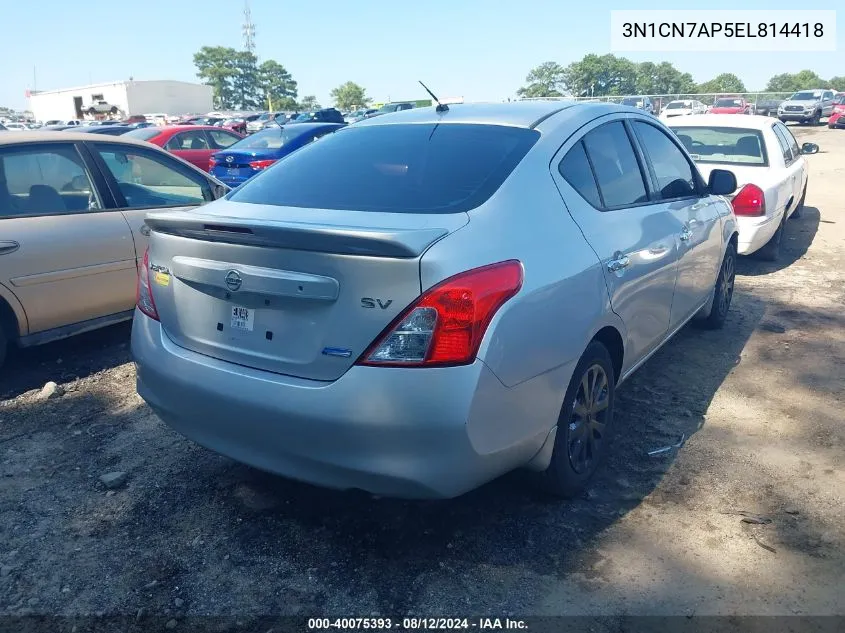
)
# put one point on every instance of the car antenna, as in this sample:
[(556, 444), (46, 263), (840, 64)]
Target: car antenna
[(440, 107)]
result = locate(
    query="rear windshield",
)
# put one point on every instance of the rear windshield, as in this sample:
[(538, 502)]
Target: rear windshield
[(677, 105), (727, 103), (271, 138), (407, 168), (143, 133), (733, 146), (632, 102)]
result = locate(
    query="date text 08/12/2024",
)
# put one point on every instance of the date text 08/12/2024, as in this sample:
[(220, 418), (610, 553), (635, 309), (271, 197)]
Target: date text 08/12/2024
[(415, 624), (723, 29)]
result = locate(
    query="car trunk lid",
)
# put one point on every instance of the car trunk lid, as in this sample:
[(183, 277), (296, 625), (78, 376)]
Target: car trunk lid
[(303, 296)]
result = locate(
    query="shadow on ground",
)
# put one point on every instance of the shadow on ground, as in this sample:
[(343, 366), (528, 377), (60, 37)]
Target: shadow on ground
[(799, 236), (62, 361)]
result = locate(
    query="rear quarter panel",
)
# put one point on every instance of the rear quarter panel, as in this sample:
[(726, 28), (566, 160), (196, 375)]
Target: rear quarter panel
[(563, 301)]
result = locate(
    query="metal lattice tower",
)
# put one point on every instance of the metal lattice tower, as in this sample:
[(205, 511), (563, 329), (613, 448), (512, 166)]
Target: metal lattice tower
[(248, 29)]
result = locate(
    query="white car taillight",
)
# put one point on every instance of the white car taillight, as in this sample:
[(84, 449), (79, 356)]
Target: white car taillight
[(446, 325), (144, 293)]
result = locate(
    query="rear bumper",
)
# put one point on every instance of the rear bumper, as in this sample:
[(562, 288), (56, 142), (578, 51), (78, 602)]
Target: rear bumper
[(431, 433), (231, 182), (754, 233)]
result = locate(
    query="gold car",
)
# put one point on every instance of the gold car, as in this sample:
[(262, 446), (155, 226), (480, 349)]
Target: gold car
[(72, 210)]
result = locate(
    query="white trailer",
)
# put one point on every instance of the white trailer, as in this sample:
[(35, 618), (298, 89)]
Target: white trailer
[(121, 99)]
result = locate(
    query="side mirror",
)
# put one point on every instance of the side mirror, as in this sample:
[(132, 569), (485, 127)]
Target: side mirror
[(722, 182), (220, 191), (809, 148)]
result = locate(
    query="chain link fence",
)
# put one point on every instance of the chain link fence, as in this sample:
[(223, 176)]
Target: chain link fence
[(763, 102)]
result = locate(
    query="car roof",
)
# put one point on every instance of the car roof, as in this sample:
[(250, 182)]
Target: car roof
[(310, 125), (184, 128), (742, 121), (527, 114), (46, 136), (88, 129)]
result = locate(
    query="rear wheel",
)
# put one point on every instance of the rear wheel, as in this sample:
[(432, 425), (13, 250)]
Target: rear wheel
[(4, 345), (817, 117), (771, 251), (723, 292), (584, 425)]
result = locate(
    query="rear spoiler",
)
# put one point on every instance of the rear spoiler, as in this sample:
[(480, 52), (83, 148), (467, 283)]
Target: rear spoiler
[(346, 240)]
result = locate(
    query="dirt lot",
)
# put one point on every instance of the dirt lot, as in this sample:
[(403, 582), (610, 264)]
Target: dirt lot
[(194, 533)]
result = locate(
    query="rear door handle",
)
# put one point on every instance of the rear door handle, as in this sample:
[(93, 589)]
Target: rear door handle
[(8, 247), (620, 263)]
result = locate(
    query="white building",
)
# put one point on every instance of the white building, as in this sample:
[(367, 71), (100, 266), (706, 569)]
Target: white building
[(129, 97)]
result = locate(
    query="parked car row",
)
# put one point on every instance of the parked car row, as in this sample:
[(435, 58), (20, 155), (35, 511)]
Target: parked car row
[(424, 259)]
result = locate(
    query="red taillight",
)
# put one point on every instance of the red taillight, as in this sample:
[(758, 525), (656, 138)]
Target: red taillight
[(144, 293), (261, 164), (750, 201), (839, 108), (446, 324), (212, 163)]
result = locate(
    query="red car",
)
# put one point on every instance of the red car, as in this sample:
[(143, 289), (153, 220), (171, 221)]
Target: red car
[(837, 119), (193, 143), (730, 105)]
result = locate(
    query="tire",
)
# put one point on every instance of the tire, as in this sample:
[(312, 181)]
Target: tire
[(817, 118), (4, 345), (113, 110), (797, 213), (771, 251), (568, 474), (723, 292)]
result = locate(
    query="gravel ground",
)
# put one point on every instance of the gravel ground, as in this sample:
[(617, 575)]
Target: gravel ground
[(186, 532)]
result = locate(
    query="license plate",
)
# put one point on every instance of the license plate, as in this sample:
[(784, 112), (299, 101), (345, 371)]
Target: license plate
[(233, 171), (242, 318)]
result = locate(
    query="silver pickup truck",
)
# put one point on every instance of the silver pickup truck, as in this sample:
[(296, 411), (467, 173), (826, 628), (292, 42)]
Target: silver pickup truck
[(807, 106)]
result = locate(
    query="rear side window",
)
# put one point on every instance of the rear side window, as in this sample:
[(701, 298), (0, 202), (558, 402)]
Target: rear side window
[(784, 144), (576, 170), (615, 166), (400, 168), (793, 144)]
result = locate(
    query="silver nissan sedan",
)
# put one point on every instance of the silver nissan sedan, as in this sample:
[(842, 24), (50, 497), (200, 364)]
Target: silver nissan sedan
[(423, 301)]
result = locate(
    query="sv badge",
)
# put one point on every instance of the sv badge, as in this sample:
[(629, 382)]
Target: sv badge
[(367, 302)]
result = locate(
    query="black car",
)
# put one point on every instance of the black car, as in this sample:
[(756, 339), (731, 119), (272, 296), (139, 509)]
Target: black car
[(109, 130), (767, 107), (326, 115)]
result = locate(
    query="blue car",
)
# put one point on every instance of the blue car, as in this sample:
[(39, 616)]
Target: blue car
[(241, 161)]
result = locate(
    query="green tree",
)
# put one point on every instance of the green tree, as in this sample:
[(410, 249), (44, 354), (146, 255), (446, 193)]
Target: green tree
[(239, 82), (546, 80), (309, 102), (792, 82), (349, 95), (837, 83), (277, 88), (216, 66), (601, 75), (726, 82), (245, 83)]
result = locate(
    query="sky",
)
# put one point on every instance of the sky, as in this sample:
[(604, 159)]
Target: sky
[(480, 50)]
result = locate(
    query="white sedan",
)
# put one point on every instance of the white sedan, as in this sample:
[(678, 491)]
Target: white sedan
[(682, 107), (769, 165)]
